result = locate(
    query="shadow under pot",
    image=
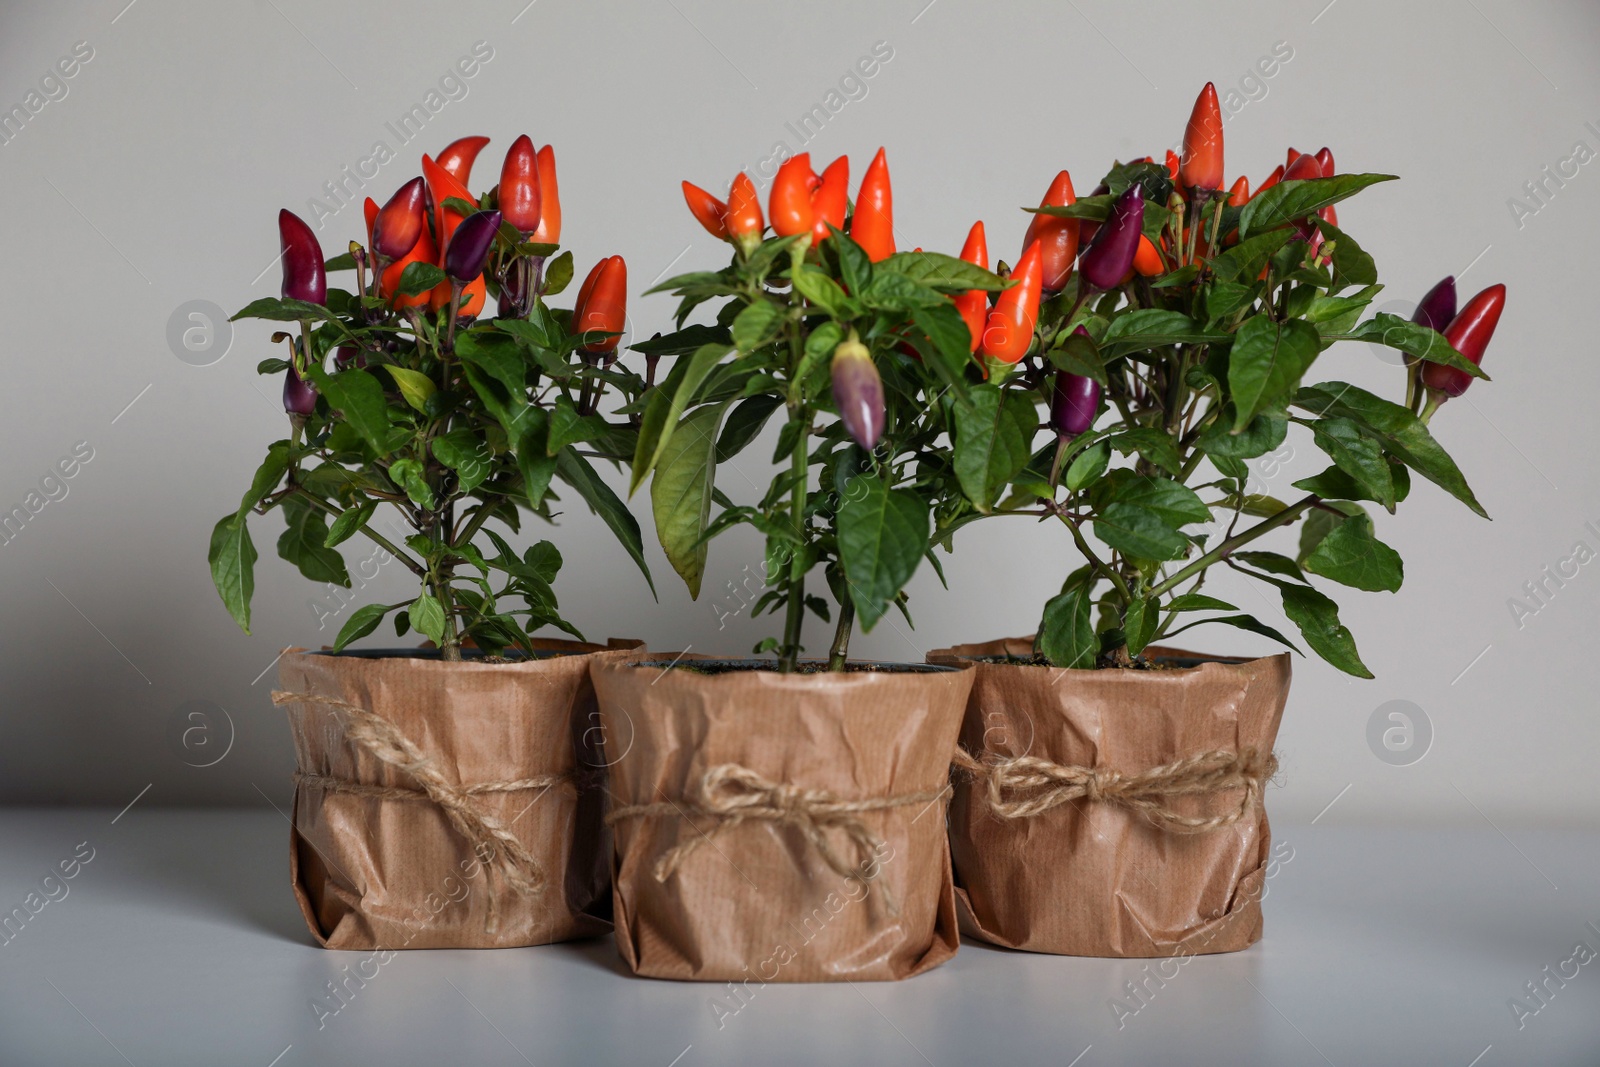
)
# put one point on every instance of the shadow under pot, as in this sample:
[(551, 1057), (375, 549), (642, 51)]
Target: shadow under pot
[(1114, 812), (447, 804), (780, 827)]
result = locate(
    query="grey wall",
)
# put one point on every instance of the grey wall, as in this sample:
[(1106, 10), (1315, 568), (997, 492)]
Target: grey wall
[(155, 181)]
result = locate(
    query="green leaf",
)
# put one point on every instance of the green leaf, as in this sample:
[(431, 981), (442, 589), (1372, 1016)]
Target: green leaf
[(1088, 465), (1078, 354), (883, 534), (1066, 633), (305, 544), (419, 278), (745, 423), (558, 275), (349, 523), (1138, 532), (1335, 484), (1291, 201), (567, 427), (1264, 434), (427, 618), (680, 494), (1198, 602), (1153, 444), (1318, 620), (1152, 328), (1267, 362), (1351, 555), (496, 370), (409, 476), (1401, 433), (945, 273), (684, 341), (465, 453), (1226, 299), (267, 476), (756, 325), (359, 397), (1243, 262), (533, 460), (233, 559), (576, 472), (1144, 615), (952, 345), (362, 622), (1358, 455), (661, 423), (1351, 265), (275, 310), (1242, 622), (1173, 502), (994, 441), (415, 386), (1271, 562), (1413, 339), (342, 261), (895, 292), (855, 266)]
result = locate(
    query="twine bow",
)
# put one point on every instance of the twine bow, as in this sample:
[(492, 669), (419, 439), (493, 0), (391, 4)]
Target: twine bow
[(1017, 787), (729, 794), (491, 842)]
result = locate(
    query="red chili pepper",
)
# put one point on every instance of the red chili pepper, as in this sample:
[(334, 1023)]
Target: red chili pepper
[(1303, 167), (1288, 160), (370, 209), (1325, 161), (974, 303), (1057, 237), (1174, 165), (458, 156), (400, 221), (707, 210), (304, 276), (872, 226), (1272, 179), (1468, 333), (520, 202), (1202, 143), (743, 219), (1008, 331), (789, 206), (602, 306), (1239, 195), (830, 199), (549, 231)]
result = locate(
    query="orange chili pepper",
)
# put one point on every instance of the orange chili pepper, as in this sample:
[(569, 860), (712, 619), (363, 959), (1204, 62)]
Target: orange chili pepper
[(974, 303), (1147, 260), (707, 210), (1057, 237), (830, 199), (872, 226), (1008, 331), (789, 206), (743, 218), (602, 306), (549, 231), (458, 156), (1201, 167)]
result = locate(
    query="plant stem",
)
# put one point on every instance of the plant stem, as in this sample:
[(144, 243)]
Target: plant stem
[(377, 538), (1099, 564), (789, 655), (840, 652), (1238, 541), (1430, 406)]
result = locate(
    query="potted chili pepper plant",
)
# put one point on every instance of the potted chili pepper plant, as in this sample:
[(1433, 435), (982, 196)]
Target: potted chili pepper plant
[(820, 781), (440, 799), (1111, 795)]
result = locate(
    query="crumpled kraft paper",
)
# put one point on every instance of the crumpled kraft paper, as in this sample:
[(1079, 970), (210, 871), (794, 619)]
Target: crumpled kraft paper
[(756, 902), (1093, 878), (381, 873)]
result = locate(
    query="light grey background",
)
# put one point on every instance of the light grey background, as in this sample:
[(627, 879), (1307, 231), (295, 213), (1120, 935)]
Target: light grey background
[(155, 181)]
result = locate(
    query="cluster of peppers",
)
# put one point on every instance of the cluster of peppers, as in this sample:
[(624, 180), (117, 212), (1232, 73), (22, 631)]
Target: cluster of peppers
[(435, 220)]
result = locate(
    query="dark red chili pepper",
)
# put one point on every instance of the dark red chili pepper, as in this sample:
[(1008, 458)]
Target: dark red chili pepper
[(520, 201), (1202, 143), (1468, 333), (601, 311), (299, 398), (1438, 308), (304, 277), (1325, 161), (1008, 331), (858, 393), (1057, 237), (400, 221), (1109, 258), (458, 156), (469, 246), (872, 226)]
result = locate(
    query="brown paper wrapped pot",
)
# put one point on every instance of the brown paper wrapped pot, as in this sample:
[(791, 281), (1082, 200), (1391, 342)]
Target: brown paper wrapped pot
[(1091, 878), (756, 900), (377, 865)]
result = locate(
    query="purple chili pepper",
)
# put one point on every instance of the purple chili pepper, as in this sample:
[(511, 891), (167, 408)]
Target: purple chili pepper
[(304, 277), (298, 396), (470, 244), (1110, 256), (858, 393), (1075, 404), (1439, 306)]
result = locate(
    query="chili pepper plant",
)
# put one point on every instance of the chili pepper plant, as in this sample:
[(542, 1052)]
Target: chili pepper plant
[(860, 350), (1181, 347), (428, 426)]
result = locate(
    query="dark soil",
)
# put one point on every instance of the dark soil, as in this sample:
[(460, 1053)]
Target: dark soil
[(1139, 664), (719, 666)]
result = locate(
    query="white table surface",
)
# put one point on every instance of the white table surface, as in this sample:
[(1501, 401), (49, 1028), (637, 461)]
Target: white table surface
[(179, 943)]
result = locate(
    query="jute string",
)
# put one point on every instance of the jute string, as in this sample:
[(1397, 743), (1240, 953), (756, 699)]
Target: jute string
[(728, 795), (1017, 787), (497, 847)]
